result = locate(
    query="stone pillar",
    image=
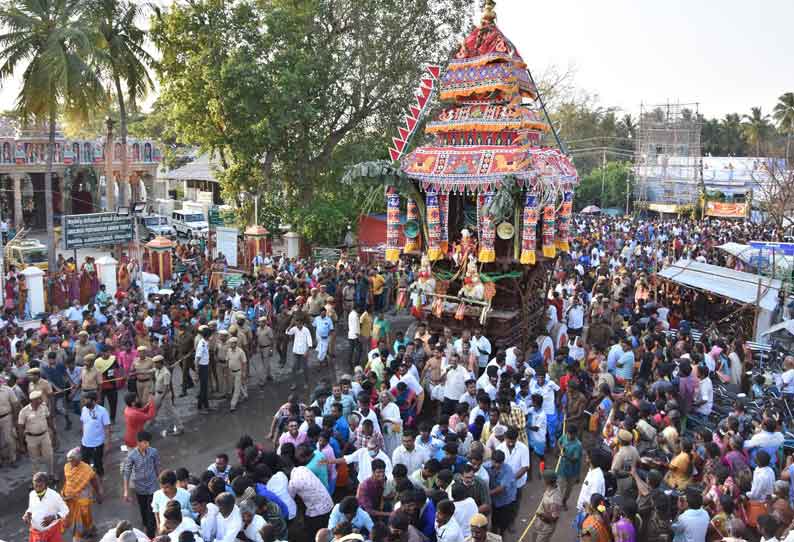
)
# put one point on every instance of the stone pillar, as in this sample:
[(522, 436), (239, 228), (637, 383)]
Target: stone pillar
[(34, 277), (106, 270), (18, 217)]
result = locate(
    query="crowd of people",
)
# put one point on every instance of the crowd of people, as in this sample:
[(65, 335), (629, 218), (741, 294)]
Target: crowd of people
[(413, 435)]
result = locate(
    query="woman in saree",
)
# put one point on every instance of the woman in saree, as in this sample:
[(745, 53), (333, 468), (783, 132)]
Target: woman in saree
[(123, 277), (72, 280), (80, 488)]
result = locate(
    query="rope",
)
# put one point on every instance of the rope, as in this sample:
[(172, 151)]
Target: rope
[(485, 277), (556, 469), (150, 371)]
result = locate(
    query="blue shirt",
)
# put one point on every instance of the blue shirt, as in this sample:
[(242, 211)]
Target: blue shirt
[(324, 326), (342, 428), (627, 361), (360, 521), (505, 478), (55, 374), (691, 526), (263, 491), (94, 423), (347, 402), (427, 520)]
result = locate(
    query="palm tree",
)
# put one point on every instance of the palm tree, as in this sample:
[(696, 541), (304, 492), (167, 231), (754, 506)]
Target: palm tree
[(629, 125), (49, 39), (121, 52), (784, 115), (756, 128)]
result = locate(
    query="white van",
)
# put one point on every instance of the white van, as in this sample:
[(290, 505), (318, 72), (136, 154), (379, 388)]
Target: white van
[(189, 222)]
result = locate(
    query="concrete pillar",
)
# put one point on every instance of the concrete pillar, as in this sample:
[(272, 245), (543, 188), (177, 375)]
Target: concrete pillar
[(34, 277), (18, 217), (106, 270), (293, 242)]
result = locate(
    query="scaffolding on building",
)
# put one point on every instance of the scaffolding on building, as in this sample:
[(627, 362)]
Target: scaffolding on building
[(668, 158)]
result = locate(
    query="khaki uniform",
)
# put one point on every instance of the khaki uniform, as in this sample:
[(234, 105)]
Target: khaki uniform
[(90, 380), (44, 387), (265, 339), (164, 398), (550, 505), (9, 404), (144, 378), (237, 363), (80, 351), (37, 437), (224, 378)]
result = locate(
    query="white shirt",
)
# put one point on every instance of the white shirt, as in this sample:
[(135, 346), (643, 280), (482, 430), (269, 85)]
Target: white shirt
[(518, 458), (110, 536), (202, 352), (510, 357), (253, 528), (484, 384), (455, 382), (51, 504), (546, 391), (371, 416), (279, 484), (303, 339), (410, 381), (483, 346), (353, 325), (576, 317), (229, 527), (464, 510), (362, 458), (705, 393), (187, 525), (593, 483), (449, 532), (788, 381), (763, 484), (208, 524), (412, 460)]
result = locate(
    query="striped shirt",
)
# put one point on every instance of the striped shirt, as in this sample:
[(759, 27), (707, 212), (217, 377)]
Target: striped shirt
[(144, 469)]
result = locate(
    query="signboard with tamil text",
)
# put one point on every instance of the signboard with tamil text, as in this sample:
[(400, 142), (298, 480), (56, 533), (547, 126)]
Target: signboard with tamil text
[(96, 229)]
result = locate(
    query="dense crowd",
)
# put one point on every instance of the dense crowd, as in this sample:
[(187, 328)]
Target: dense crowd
[(416, 435)]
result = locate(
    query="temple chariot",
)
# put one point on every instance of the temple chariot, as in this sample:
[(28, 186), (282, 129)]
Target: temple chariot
[(487, 207)]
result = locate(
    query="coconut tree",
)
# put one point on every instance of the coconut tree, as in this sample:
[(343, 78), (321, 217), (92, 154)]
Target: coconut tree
[(784, 116), (756, 128), (49, 40), (120, 50)]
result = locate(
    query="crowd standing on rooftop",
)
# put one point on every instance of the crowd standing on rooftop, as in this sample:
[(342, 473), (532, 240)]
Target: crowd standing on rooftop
[(416, 435)]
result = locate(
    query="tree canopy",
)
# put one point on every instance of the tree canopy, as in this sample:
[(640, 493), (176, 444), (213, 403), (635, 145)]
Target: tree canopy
[(284, 91)]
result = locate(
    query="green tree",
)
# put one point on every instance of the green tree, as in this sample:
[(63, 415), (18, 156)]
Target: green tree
[(756, 128), (280, 88), (121, 53), (784, 116), (605, 186), (50, 39)]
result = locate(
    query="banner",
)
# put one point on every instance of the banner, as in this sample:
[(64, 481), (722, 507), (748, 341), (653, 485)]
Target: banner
[(726, 210)]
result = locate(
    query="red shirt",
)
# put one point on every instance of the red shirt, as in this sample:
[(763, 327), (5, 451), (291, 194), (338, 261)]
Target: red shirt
[(135, 419)]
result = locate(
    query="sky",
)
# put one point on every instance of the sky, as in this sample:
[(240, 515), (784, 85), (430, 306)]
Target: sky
[(726, 55)]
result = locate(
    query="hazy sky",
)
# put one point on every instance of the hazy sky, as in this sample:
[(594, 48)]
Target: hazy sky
[(728, 55)]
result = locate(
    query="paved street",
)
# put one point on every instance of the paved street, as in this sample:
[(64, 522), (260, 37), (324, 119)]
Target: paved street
[(205, 436)]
